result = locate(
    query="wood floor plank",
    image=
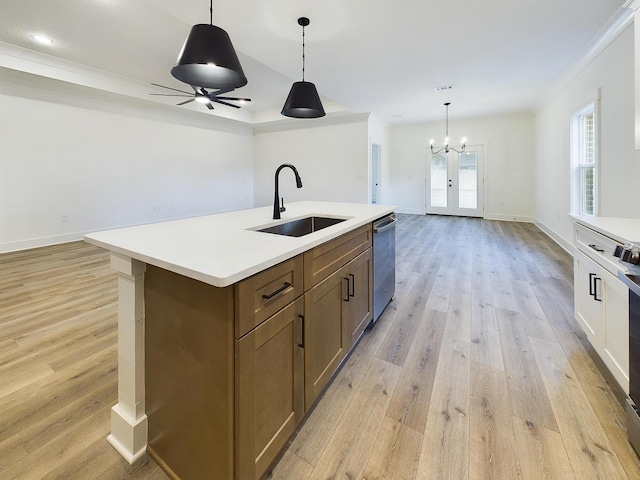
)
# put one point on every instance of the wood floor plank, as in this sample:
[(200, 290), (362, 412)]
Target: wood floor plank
[(492, 447), (527, 394), (396, 453), (588, 448), (458, 325), (541, 452), (396, 345), (410, 400), (485, 337), (445, 446), (350, 447), (319, 428), (290, 466)]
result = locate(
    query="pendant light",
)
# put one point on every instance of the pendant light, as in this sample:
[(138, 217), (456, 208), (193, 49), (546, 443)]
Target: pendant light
[(303, 100), (208, 60), (446, 147)]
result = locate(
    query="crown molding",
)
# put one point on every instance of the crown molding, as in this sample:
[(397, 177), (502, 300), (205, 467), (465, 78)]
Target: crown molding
[(616, 25)]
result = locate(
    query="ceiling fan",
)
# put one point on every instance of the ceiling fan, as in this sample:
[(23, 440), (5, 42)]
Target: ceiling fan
[(201, 95)]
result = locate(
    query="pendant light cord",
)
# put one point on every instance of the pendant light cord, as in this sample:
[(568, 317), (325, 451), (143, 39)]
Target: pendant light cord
[(211, 12), (302, 52)]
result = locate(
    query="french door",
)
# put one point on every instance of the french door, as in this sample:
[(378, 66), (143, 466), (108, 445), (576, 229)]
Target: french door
[(454, 182)]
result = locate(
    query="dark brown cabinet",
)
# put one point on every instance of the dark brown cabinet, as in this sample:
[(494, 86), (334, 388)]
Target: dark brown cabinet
[(231, 372), (270, 389)]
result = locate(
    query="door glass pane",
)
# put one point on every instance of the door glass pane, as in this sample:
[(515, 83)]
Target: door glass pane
[(439, 180), (468, 180)]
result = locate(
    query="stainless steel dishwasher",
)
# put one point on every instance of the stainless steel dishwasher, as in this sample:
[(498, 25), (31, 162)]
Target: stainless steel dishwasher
[(384, 263)]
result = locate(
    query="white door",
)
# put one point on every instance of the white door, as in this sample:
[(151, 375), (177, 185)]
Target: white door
[(454, 182), (375, 173)]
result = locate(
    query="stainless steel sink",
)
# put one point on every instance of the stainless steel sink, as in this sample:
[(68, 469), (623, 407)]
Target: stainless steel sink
[(302, 226)]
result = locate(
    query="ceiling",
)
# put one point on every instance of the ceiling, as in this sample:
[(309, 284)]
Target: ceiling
[(363, 55)]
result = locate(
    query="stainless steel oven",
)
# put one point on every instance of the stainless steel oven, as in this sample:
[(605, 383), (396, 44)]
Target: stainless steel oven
[(630, 258)]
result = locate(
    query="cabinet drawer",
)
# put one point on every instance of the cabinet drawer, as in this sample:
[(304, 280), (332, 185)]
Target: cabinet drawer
[(260, 296), (322, 261), (598, 247)]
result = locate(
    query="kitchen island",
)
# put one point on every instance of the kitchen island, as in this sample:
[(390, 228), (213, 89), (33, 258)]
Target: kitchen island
[(228, 335)]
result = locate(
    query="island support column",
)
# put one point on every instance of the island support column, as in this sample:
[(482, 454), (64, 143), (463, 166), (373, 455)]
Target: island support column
[(128, 418)]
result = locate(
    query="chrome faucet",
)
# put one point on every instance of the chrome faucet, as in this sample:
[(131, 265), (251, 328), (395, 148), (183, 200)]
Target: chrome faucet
[(277, 207)]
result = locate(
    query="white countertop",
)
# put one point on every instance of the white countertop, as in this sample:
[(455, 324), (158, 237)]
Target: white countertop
[(223, 249), (621, 229)]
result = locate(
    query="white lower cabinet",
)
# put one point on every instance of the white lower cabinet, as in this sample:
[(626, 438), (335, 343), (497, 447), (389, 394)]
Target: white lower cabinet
[(602, 310)]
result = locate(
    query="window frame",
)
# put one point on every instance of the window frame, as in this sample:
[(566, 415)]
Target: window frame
[(578, 155)]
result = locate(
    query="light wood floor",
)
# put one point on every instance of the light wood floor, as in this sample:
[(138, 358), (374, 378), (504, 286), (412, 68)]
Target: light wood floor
[(476, 370)]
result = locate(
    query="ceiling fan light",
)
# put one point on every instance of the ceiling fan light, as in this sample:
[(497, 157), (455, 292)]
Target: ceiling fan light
[(208, 60), (303, 102), (202, 99)]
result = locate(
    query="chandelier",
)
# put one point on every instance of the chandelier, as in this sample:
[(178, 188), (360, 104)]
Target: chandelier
[(448, 147)]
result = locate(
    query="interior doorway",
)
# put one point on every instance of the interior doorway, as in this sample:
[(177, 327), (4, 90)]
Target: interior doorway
[(454, 182)]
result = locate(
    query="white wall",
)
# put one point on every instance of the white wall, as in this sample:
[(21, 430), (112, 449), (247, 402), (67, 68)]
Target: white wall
[(508, 162), (612, 71), (105, 166), (333, 161)]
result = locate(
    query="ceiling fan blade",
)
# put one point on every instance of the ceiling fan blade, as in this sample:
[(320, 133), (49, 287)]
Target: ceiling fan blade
[(186, 101), (221, 92), (169, 88), (237, 99), (217, 100), (200, 91), (209, 106)]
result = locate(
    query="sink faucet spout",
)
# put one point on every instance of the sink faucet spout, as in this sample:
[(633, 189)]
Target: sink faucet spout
[(277, 207)]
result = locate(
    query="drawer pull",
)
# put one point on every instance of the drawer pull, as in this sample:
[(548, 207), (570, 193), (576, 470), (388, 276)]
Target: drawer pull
[(281, 289), (595, 247), (301, 317)]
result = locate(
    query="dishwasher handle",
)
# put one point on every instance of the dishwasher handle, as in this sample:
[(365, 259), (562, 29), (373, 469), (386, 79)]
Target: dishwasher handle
[(384, 225)]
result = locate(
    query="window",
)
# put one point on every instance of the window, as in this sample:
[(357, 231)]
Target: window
[(584, 159)]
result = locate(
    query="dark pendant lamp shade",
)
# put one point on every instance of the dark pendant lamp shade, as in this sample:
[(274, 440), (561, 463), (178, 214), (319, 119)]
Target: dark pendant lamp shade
[(303, 101), (208, 60)]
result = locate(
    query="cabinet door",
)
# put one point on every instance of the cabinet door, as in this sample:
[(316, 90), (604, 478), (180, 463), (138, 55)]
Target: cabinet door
[(360, 304), (270, 389), (589, 295), (326, 338), (616, 338)]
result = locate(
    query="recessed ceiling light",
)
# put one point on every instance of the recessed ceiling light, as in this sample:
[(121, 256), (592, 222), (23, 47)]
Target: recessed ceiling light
[(43, 39)]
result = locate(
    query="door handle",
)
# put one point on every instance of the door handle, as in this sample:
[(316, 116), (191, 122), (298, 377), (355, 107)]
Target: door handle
[(346, 299), (595, 289), (352, 283), (301, 317), (592, 284)]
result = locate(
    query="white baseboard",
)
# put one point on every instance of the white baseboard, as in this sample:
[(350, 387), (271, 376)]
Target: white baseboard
[(41, 242), (567, 246), (508, 217)]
